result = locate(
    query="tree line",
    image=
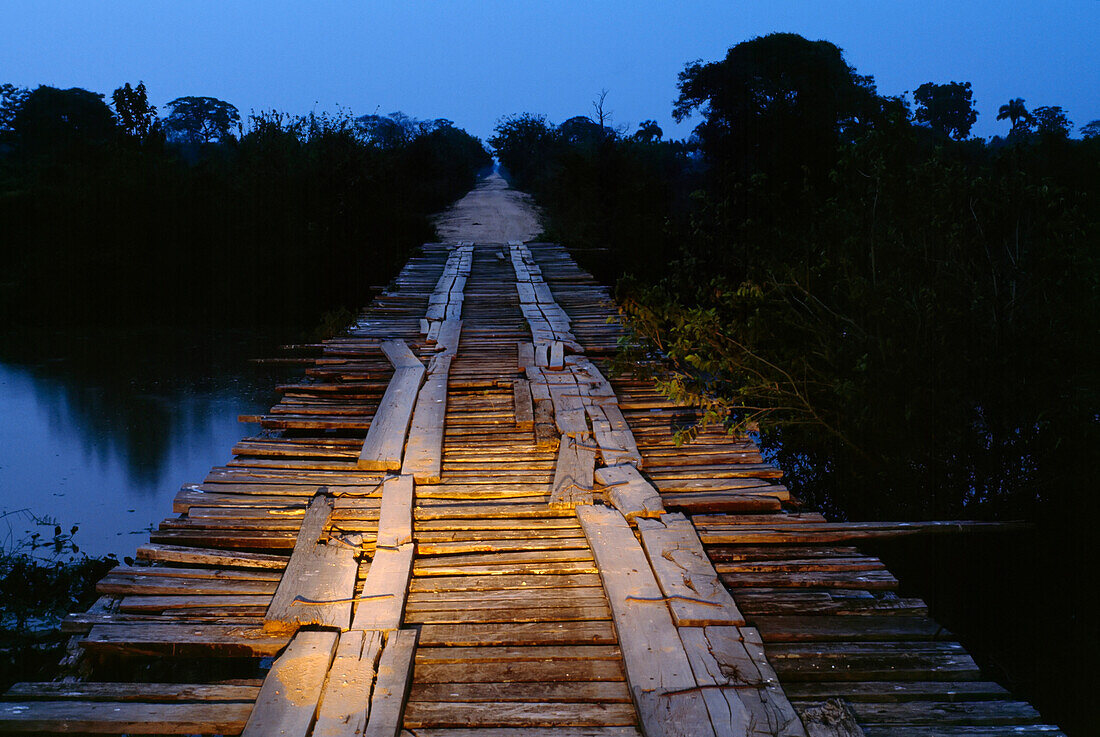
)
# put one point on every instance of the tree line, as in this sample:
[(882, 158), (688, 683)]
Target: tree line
[(905, 314), (113, 213)]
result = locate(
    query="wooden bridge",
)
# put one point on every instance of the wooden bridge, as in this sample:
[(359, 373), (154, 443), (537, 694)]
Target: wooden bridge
[(460, 523)]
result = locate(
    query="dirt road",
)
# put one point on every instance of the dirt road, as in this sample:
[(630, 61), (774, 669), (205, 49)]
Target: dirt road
[(490, 213)]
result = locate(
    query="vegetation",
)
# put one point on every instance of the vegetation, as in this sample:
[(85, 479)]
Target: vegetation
[(42, 577), (905, 316), (117, 216)]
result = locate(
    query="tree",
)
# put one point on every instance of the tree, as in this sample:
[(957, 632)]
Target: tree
[(1091, 130), (51, 118), (777, 101), (648, 132), (1052, 121), (947, 108), (1015, 111), (524, 144), (136, 117), (201, 119), (603, 115), (580, 129), (11, 99)]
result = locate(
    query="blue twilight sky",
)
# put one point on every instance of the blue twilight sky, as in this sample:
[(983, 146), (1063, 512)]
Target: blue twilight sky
[(474, 61)]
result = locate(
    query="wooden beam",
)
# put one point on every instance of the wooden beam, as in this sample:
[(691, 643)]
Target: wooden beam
[(387, 704), (657, 667), (345, 703), (629, 492), (288, 698), (385, 441), (319, 579), (685, 574)]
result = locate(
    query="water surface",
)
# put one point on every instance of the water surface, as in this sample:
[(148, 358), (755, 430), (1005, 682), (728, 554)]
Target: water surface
[(99, 429)]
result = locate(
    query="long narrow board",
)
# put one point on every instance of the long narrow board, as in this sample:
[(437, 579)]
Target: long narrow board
[(685, 574), (288, 699), (657, 668), (382, 449), (345, 703), (424, 452), (392, 688), (319, 578)]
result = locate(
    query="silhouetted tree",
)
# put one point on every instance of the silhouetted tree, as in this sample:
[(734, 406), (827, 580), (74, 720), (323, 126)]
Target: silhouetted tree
[(201, 119), (648, 132), (1052, 121), (776, 103), (580, 129), (524, 144), (603, 115), (136, 117), (50, 118), (1015, 111), (11, 99), (1091, 129), (947, 108)]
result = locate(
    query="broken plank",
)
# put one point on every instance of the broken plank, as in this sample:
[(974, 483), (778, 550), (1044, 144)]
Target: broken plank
[(395, 666), (573, 475), (657, 667), (345, 703), (382, 603), (685, 574), (318, 580), (629, 492)]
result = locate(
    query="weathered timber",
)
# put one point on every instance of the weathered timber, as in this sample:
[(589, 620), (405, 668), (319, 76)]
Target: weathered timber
[(382, 449), (288, 699)]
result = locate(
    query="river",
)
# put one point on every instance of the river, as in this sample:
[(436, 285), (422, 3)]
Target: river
[(99, 429)]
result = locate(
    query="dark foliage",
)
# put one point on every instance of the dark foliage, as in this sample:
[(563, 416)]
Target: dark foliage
[(905, 318), (106, 222)]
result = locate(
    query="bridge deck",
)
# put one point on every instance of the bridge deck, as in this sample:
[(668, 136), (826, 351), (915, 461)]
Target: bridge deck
[(539, 558)]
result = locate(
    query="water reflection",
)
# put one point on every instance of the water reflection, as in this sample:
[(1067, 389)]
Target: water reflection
[(101, 430)]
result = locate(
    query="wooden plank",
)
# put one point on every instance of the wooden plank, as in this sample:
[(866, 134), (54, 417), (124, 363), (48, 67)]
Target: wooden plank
[(99, 717), (207, 556), (319, 579), (471, 634), (449, 336), (525, 355), (424, 450), (385, 440), (399, 355), (557, 731), (288, 698), (742, 696), (392, 687), (345, 703), (657, 667), (143, 692), (686, 576), (382, 603), (183, 640), (629, 492), (556, 358), (573, 475), (395, 516), (517, 713), (582, 691), (523, 405)]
